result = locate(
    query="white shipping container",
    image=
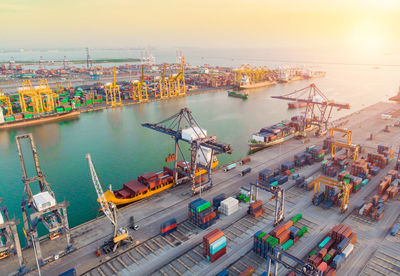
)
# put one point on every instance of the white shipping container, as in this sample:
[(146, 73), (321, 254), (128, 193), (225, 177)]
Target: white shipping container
[(193, 133), (361, 210), (229, 202), (386, 116), (1, 116), (347, 251), (1, 218), (43, 200), (204, 156), (258, 138)]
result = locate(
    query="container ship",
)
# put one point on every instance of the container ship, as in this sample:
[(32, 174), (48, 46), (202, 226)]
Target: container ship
[(238, 94), (29, 119), (152, 183), (246, 84), (279, 133), (294, 105)]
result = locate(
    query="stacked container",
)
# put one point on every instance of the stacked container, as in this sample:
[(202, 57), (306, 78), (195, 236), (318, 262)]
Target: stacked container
[(201, 213), (256, 209), (229, 206), (214, 245), (168, 227)]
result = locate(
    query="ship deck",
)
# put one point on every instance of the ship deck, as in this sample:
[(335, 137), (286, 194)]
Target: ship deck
[(180, 252)]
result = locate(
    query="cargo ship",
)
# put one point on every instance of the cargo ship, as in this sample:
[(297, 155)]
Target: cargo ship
[(279, 133), (238, 94), (294, 105), (151, 183), (20, 120), (246, 84)]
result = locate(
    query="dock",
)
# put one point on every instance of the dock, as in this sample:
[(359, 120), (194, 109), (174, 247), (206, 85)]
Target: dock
[(180, 253)]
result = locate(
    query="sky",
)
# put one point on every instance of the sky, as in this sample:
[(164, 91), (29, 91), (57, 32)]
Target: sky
[(373, 25)]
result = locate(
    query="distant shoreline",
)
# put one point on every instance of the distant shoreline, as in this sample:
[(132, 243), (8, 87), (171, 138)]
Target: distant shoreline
[(78, 61)]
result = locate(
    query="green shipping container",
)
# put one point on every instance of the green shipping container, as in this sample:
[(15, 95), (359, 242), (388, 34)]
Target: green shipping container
[(246, 199), (327, 258), (89, 101), (28, 116), (274, 183), (312, 253), (324, 162), (303, 231), (68, 108), (203, 207), (241, 196), (261, 235), (287, 245), (292, 170), (296, 218), (8, 119), (273, 242)]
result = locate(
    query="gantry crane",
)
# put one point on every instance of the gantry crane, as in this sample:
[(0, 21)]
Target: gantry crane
[(9, 240), (202, 147), (120, 234), (341, 185), (274, 258), (41, 207), (163, 84), (113, 94), (318, 109), (253, 74), (353, 148), (279, 195), (27, 90), (6, 102), (44, 90), (139, 88), (347, 133), (176, 83)]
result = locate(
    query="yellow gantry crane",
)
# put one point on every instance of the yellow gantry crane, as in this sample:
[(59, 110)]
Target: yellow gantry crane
[(113, 94), (139, 88), (27, 90), (343, 186), (354, 149), (163, 85), (347, 133), (254, 74), (6, 102), (49, 96), (176, 83)]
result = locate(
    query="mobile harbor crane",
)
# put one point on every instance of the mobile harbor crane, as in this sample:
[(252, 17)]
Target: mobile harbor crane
[(41, 207), (120, 234), (202, 147), (9, 240), (279, 195)]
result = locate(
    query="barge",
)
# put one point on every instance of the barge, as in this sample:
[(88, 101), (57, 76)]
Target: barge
[(40, 119), (238, 94)]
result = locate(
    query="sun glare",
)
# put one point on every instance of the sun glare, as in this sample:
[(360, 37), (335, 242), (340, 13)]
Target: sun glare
[(367, 38)]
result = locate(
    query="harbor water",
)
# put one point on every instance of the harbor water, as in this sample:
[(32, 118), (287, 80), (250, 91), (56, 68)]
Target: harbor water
[(122, 149)]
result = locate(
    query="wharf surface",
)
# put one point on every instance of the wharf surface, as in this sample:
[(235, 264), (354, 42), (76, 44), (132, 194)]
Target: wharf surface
[(176, 253)]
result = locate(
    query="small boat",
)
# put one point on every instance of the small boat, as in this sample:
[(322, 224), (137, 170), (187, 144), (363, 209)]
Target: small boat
[(238, 94), (294, 105)]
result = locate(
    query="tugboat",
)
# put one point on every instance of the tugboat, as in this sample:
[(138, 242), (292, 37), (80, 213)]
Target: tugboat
[(238, 94)]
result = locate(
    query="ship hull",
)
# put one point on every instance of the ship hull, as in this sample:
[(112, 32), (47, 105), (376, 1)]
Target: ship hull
[(257, 84), (43, 119), (237, 95)]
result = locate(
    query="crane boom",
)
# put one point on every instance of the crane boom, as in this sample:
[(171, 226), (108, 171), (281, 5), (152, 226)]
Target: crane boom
[(99, 190)]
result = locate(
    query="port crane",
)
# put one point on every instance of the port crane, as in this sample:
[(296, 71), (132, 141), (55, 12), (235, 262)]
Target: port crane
[(27, 90), (341, 185), (279, 195), (318, 108), (6, 101), (41, 207), (9, 240), (274, 258), (120, 234), (176, 83), (139, 88), (113, 94), (202, 147)]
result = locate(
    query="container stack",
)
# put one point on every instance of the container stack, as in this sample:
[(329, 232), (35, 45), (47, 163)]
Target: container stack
[(256, 209), (229, 206), (334, 249), (201, 213), (328, 142), (218, 199), (360, 168), (168, 227), (328, 168), (386, 150), (377, 160), (316, 152), (287, 167), (300, 159), (214, 245), (284, 235)]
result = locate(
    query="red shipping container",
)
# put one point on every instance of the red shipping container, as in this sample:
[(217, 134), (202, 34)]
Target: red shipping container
[(322, 266), (332, 252), (385, 197), (318, 260), (218, 255), (329, 244), (353, 238), (283, 237), (212, 236), (168, 228), (322, 252), (291, 273)]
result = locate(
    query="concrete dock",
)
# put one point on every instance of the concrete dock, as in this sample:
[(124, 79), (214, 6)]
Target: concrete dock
[(180, 252)]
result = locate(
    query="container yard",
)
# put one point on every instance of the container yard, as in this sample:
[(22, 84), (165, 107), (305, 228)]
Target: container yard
[(249, 138), (230, 228)]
